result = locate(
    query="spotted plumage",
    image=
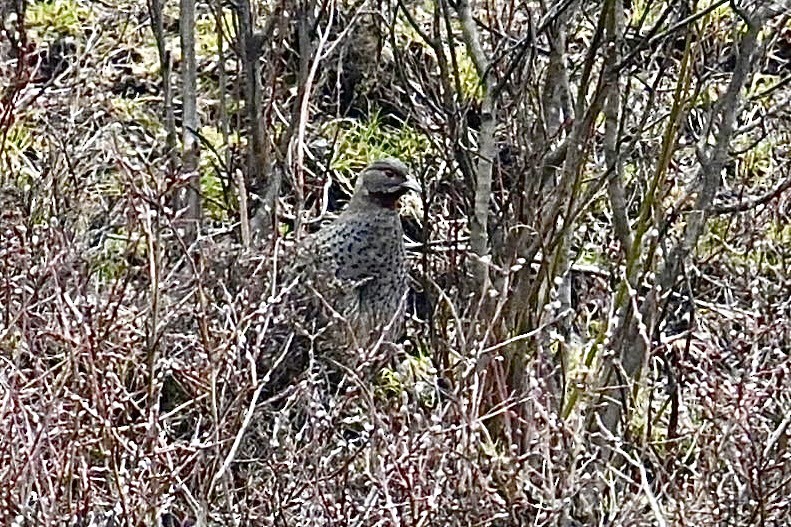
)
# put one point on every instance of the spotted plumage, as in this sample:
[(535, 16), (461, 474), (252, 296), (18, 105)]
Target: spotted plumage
[(358, 262)]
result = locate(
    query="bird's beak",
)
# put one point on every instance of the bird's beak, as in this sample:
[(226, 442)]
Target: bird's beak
[(411, 184)]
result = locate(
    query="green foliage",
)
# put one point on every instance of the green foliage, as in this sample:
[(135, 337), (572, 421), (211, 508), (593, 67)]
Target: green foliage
[(210, 181), (592, 254), (758, 162), (361, 142), (762, 82), (137, 111), (206, 41), (19, 137), (717, 230), (780, 234), (212, 192), (58, 17), (110, 262), (720, 15), (747, 258), (416, 374), (14, 162), (470, 82)]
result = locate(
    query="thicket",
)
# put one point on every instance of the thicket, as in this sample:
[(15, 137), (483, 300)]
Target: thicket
[(599, 325)]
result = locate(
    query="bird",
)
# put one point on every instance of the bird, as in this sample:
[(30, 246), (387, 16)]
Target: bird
[(307, 308), (357, 264)]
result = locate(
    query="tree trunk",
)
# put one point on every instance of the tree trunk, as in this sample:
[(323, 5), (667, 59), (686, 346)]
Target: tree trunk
[(190, 125)]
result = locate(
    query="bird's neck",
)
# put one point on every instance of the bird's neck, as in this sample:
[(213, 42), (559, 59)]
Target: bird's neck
[(367, 201)]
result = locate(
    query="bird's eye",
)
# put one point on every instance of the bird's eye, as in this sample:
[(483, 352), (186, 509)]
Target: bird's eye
[(390, 174)]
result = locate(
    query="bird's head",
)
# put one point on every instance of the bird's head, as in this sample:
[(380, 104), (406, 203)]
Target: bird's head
[(382, 182)]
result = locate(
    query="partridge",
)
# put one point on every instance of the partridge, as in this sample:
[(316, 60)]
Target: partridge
[(358, 263)]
